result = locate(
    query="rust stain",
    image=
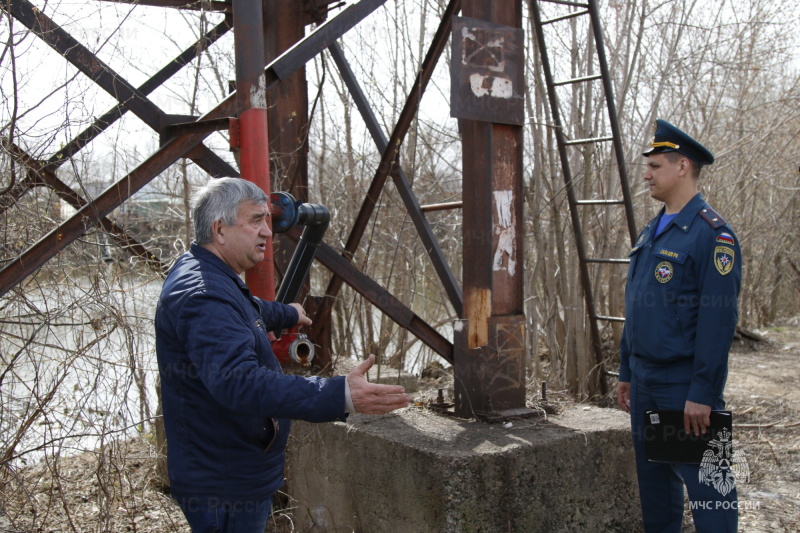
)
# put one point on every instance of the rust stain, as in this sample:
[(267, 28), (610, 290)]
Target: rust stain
[(477, 309)]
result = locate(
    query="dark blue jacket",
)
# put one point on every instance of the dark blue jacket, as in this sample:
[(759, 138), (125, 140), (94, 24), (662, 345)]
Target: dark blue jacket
[(226, 401), (681, 298)]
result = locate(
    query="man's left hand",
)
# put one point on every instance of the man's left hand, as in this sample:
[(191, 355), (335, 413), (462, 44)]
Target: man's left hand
[(373, 398), (696, 418), (302, 319)]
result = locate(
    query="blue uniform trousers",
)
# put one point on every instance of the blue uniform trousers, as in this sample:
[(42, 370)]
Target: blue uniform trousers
[(227, 517), (666, 386)]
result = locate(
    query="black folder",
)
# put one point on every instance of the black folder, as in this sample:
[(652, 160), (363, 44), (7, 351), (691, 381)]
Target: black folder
[(667, 442)]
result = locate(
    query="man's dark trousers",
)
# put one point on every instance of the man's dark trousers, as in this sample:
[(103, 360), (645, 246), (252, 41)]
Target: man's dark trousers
[(666, 386)]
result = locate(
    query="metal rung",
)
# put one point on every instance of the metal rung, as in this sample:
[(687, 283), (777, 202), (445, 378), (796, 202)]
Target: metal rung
[(441, 207), (607, 261), (610, 318), (588, 141), (565, 17), (578, 80), (565, 3), (600, 202)]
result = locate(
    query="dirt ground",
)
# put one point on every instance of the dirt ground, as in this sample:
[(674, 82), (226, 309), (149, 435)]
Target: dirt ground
[(762, 392), (764, 396)]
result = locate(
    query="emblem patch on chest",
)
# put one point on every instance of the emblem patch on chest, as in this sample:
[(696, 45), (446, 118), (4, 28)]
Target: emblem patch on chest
[(723, 259), (664, 271)]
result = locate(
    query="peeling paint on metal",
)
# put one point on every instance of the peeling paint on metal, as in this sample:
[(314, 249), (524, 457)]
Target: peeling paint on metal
[(478, 309), (258, 94), (490, 85), (505, 253)]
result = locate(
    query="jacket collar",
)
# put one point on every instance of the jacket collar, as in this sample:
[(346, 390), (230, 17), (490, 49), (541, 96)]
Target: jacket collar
[(208, 257), (687, 214)]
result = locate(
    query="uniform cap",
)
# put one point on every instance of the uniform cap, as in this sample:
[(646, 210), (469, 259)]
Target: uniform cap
[(669, 138)]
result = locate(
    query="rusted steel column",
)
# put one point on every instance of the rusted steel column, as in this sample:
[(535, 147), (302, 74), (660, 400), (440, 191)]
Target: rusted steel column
[(284, 25), (287, 112), (251, 103), (490, 346)]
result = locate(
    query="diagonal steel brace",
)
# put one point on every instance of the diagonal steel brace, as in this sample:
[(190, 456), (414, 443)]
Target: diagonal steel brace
[(59, 238), (85, 61), (105, 120), (389, 165)]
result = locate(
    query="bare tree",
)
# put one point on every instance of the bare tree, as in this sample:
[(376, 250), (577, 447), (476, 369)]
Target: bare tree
[(77, 371)]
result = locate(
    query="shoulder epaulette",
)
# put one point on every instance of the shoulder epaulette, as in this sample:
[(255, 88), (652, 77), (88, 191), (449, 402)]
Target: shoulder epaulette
[(713, 218)]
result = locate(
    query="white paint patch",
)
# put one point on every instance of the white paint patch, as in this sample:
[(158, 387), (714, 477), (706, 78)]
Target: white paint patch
[(258, 95), (476, 85), (505, 255), (502, 88), (458, 325), (493, 86), (466, 35)]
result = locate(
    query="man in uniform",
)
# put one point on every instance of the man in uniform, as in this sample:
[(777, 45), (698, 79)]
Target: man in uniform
[(681, 312)]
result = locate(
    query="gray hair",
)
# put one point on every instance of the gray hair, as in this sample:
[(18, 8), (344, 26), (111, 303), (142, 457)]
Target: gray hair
[(220, 200)]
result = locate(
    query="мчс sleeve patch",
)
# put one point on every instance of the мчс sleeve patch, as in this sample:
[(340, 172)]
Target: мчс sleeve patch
[(724, 257)]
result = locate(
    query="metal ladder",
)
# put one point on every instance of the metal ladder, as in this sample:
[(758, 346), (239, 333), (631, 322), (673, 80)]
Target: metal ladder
[(587, 8)]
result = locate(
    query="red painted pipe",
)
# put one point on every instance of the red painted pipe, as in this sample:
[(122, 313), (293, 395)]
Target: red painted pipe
[(254, 167), (251, 101)]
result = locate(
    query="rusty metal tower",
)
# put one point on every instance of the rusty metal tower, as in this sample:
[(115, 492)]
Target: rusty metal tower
[(271, 51)]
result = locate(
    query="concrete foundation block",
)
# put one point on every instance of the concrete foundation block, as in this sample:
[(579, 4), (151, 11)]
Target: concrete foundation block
[(417, 471), (391, 376)]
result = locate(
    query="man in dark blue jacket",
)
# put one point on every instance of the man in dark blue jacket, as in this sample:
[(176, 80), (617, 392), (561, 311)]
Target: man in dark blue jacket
[(680, 316), (226, 402)]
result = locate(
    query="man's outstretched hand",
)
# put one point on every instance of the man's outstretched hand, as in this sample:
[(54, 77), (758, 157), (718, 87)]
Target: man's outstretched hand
[(372, 398)]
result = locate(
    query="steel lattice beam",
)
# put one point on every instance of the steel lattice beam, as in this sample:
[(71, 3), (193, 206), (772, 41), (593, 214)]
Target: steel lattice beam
[(39, 173), (174, 148), (389, 166), (84, 60), (99, 125), (412, 205)]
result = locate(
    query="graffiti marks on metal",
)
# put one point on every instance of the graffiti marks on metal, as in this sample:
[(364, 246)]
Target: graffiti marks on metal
[(486, 72)]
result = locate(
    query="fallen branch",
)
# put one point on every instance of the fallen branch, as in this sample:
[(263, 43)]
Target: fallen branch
[(765, 426)]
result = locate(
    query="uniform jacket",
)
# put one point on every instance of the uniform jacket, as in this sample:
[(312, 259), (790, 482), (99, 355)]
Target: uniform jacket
[(226, 402), (681, 298)]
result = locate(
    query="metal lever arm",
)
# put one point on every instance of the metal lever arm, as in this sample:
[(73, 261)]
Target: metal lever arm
[(286, 213)]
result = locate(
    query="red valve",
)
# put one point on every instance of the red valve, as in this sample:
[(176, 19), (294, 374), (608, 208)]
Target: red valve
[(293, 346)]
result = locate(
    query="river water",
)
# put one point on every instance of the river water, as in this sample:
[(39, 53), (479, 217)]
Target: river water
[(78, 367)]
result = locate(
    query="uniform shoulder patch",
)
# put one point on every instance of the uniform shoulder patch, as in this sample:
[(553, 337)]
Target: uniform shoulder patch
[(713, 218), (725, 238), (724, 257)]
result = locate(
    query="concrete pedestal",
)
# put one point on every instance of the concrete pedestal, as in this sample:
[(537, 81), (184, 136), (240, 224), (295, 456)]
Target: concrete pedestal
[(417, 471)]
